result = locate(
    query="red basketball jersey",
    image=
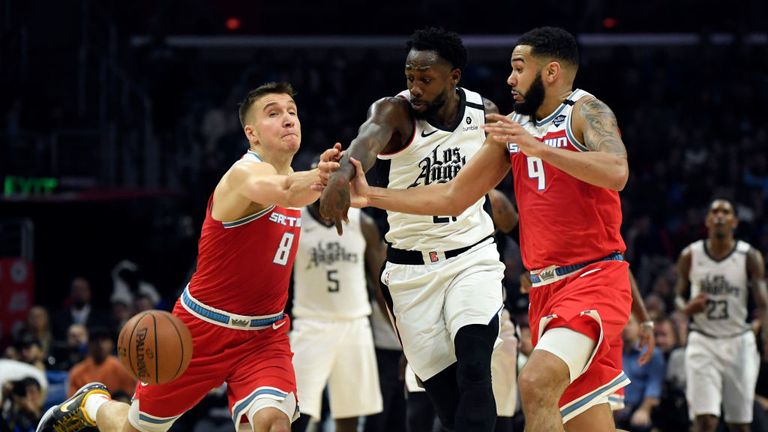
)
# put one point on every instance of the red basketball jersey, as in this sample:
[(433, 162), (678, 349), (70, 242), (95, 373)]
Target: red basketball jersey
[(563, 220), (244, 266)]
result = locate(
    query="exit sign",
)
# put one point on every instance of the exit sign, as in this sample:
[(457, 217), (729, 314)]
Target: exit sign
[(26, 186)]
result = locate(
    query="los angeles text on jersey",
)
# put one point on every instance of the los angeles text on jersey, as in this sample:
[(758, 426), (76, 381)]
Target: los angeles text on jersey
[(440, 166), (718, 285), (330, 253), (285, 220)]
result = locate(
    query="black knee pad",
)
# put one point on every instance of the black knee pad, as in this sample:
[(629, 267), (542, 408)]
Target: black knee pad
[(301, 423), (474, 347), (444, 395)]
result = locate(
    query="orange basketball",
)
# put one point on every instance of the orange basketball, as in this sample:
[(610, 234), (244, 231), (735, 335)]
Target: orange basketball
[(156, 346)]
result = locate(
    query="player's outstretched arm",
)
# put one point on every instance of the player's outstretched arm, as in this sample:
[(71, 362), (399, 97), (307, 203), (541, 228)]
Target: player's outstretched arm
[(481, 174), (259, 182), (385, 117)]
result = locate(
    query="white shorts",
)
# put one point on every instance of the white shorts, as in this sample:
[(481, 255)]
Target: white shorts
[(341, 354), (721, 371), (431, 302)]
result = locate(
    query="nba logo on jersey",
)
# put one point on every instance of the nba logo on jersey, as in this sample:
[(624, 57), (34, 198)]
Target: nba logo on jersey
[(513, 148), (433, 256)]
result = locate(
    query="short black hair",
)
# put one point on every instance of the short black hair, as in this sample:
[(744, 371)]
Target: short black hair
[(261, 91), (552, 42), (724, 199), (447, 44)]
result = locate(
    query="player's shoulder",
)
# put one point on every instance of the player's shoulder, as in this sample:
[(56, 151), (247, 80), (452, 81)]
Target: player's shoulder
[(688, 251), (585, 103), (489, 106), (744, 247), (390, 108), (399, 102), (247, 167)]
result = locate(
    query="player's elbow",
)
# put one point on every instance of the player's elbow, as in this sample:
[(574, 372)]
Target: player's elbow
[(454, 203), (619, 176)]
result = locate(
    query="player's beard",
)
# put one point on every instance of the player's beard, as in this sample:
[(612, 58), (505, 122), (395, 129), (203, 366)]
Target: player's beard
[(532, 99), (432, 108)]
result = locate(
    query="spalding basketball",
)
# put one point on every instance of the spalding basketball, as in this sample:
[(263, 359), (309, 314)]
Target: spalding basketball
[(156, 346)]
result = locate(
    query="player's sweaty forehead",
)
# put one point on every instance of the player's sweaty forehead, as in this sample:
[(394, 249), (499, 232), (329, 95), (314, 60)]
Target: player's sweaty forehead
[(721, 206), (420, 61), (522, 53), (274, 100)]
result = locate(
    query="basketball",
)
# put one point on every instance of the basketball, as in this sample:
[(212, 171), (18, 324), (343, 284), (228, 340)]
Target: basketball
[(155, 346)]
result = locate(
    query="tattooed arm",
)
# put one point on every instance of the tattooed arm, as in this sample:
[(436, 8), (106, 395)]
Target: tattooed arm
[(605, 165)]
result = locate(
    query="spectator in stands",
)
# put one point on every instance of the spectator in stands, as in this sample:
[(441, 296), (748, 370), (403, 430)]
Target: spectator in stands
[(672, 412), (128, 284), (644, 392), (74, 350), (38, 326), (80, 310), (101, 365), (23, 392), (122, 311), (32, 352)]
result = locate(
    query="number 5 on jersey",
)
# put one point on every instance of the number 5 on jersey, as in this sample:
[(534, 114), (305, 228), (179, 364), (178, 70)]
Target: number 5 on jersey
[(536, 171), (284, 249)]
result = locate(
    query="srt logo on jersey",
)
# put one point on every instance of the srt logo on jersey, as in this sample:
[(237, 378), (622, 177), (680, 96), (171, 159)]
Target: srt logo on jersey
[(285, 220), (330, 253), (717, 285), (440, 166), (559, 120)]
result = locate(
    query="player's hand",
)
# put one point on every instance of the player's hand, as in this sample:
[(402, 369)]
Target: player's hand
[(525, 282), (329, 162), (641, 418), (359, 186), (647, 340), (502, 129), (697, 304), (335, 201)]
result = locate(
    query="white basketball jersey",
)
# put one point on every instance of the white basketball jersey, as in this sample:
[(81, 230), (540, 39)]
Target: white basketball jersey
[(329, 271), (726, 283), (435, 155)]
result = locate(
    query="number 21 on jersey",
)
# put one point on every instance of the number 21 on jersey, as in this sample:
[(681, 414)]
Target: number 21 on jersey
[(536, 171)]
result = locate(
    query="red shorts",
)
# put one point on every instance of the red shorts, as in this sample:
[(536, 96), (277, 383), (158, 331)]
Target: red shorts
[(596, 301), (251, 362), (617, 356)]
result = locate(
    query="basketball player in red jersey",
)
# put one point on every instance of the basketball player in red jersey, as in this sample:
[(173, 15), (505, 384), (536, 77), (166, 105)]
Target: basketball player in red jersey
[(568, 161), (234, 303)]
